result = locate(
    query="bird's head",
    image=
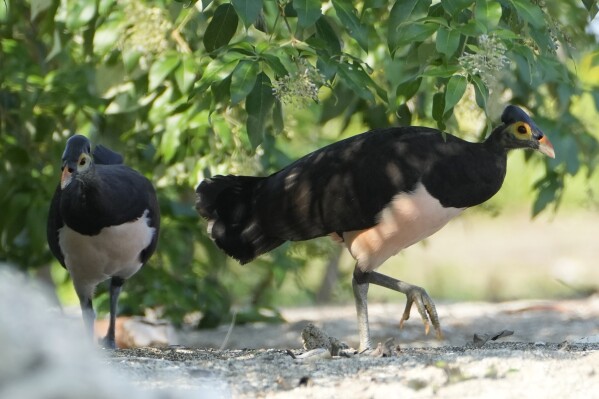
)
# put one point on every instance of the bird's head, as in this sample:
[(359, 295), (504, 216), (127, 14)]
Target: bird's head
[(76, 158), (519, 131)]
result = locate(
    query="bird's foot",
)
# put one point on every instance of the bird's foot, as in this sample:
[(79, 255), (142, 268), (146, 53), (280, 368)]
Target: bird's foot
[(426, 307), (107, 343)]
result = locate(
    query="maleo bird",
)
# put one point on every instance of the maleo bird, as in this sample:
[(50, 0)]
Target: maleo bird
[(103, 224), (378, 193)]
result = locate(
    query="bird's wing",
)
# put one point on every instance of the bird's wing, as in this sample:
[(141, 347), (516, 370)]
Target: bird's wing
[(115, 194), (54, 223), (105, 156), (154, 216), (344, 186), (126, 194)]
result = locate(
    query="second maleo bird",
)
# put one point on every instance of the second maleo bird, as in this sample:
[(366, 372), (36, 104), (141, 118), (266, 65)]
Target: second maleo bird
[(103, 223), (377, 193)]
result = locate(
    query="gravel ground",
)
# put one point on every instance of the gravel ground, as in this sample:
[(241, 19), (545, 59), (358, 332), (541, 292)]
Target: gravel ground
[(553, 353)]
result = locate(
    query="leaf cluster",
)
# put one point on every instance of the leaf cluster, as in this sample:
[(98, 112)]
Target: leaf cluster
[(184, 90)]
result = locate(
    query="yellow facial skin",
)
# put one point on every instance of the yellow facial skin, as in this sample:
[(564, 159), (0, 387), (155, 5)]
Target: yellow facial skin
[(523, 131)]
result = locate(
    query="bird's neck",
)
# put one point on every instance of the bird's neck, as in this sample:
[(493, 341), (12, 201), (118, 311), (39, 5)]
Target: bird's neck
[(496, 141), (88, 189)]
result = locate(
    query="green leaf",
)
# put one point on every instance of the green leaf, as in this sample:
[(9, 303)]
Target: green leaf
[(454, 91), (169, 143), (488, 13), (161, 69), (438, 107), (505, 34), (221, 90), (403, 11), (258, 106), (248, 10), (472, 28), (104, 6), (308, 12), (222, 27), (216, 70), (277, 117), (356, 79), (81, 13), (275, 64), (325, 31), (185, 74), (481, 92), (407, 90), (414, 32), (448, 41), (56, 46), (408, 10), (595, 95), (568, 153), (530, 13), (454, 6), (548, 188), (38, 6), (591, 6), (243, 80), (348, 17), (440, 71), (327, 67), (525, 59)]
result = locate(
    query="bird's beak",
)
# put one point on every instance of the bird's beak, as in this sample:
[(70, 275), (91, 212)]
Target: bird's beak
[(66, 177), (546, 147)]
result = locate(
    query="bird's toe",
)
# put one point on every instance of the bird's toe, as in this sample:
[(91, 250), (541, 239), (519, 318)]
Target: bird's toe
[(426, 308)]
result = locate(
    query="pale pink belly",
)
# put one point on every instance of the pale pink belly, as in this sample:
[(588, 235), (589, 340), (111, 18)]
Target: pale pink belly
[(409, 218)]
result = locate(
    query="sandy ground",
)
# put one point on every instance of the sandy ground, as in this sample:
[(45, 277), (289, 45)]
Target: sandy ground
[(553, 353)]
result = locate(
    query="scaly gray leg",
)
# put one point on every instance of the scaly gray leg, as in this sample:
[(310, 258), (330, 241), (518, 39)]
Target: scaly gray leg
[(360, 288), (89, 316), (116, 285)]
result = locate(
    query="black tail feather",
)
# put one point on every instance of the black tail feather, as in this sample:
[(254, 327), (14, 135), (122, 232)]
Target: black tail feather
[(227, 203)]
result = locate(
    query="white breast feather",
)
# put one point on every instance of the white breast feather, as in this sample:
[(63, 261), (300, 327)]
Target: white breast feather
[(408, 219), (114, 251)]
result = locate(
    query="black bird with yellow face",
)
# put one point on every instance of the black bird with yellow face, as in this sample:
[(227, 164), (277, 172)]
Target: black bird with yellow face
[(103, 223), (378, 193)]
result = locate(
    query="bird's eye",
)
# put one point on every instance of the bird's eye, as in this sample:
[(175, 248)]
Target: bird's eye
[(82, 161), (522, 129)]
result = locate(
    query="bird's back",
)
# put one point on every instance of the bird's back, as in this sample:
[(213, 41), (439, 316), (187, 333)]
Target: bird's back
[(344, 186)]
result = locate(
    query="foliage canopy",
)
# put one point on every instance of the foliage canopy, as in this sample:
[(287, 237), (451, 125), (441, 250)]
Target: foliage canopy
[(188, 89)]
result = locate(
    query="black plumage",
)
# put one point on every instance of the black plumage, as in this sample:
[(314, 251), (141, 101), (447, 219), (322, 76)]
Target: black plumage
[(407, 181), (103, 223)]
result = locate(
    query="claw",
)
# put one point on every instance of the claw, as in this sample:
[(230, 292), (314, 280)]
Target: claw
[(425, 307)]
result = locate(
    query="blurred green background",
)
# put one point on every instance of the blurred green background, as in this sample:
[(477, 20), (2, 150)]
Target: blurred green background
[(189, 89)]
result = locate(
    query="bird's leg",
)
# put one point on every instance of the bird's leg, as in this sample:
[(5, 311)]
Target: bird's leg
[(415, 295), (360, 287), (116, 284), (87, 311)]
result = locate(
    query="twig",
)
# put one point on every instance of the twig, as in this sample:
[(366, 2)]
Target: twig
[(226, 340)]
